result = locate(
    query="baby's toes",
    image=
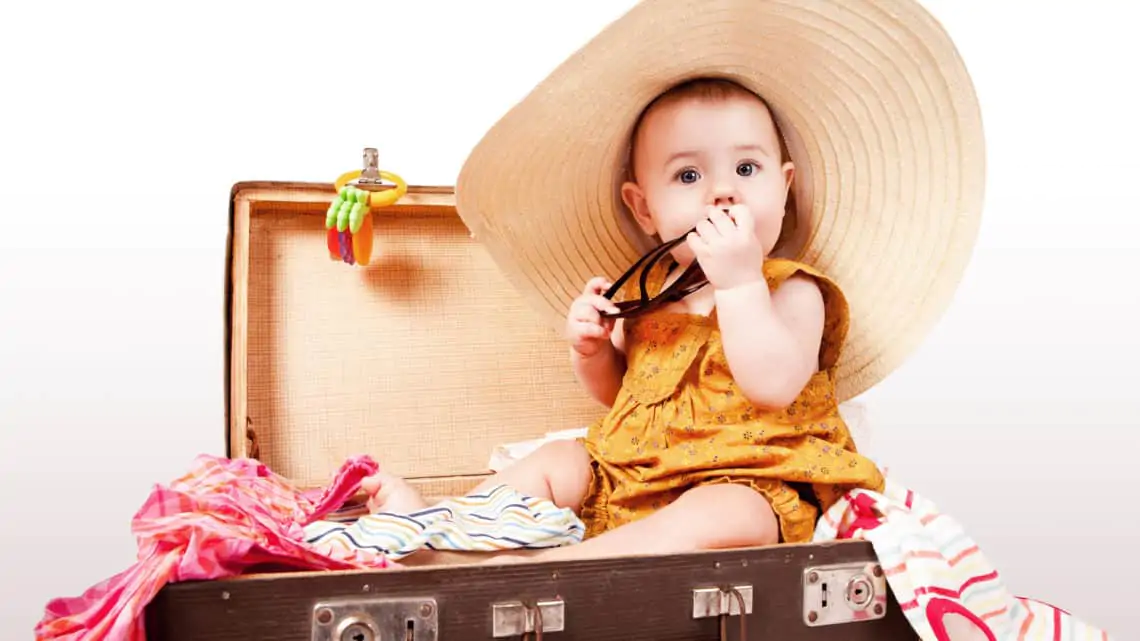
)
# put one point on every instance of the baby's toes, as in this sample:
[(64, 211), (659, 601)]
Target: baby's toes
[(371, 485)]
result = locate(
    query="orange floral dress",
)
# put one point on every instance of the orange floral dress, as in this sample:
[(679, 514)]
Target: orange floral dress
[(680, 421)]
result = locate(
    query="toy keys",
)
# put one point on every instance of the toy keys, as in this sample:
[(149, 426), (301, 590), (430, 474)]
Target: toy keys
[(349, 218)]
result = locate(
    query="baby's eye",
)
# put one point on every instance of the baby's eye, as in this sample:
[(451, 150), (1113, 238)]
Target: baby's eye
[(747, 168), (688, 175)]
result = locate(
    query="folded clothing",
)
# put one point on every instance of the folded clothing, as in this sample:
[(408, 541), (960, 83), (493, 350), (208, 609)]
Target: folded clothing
[(499, 519), (939, 575), (225, 517), (220, 519)]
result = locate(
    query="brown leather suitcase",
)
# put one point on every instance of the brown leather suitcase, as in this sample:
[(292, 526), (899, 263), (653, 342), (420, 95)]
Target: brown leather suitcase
[(426, 360)]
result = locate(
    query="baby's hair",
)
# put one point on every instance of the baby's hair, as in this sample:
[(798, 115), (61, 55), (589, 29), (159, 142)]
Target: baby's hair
[(713, 89)]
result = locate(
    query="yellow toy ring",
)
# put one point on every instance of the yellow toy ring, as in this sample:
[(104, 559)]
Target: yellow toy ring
[(377, 198)]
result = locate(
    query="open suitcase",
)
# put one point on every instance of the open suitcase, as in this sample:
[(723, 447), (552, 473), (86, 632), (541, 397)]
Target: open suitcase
[(325, 361)]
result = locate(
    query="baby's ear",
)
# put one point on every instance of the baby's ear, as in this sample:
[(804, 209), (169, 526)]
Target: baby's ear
[(789, 171), (634, 199)]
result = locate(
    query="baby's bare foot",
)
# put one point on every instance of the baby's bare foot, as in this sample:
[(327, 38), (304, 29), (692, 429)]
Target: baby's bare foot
[(390, 493)]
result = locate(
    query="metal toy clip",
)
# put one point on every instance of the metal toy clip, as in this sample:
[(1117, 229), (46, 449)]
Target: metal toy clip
[(370, 178)]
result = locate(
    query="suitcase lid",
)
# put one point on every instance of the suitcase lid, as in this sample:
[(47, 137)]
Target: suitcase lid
[(426, 359)]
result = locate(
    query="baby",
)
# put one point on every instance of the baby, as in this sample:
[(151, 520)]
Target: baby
[(724, 428)]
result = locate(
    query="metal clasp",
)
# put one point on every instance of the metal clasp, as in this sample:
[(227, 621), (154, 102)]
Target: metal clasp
[(370, 172), (515, 618), (371, 178), (844, 593), (375, 619), (724, 603), (713, 602)]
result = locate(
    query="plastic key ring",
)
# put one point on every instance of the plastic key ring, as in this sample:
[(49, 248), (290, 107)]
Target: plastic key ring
[(385, 197)]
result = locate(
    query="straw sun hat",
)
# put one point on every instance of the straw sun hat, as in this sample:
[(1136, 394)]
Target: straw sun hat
[(876, 108)]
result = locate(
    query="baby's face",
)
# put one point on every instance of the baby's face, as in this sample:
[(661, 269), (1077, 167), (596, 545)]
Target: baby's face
[(692, 154)]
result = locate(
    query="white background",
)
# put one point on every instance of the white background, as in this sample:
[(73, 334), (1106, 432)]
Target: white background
[(123, 128)]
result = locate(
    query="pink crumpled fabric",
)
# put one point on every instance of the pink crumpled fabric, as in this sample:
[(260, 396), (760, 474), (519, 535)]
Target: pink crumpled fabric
[(220, 518)]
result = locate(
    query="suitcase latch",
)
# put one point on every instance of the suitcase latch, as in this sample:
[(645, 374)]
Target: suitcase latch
[(515, 618), (378, 619), (844, 593), (734, 601), (715, 602)]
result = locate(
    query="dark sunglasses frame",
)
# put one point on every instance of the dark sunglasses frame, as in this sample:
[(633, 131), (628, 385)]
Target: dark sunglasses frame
[(690, 281)]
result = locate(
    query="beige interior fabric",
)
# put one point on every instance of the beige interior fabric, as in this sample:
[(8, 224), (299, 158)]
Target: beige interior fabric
[(881, 120), (425, 360)]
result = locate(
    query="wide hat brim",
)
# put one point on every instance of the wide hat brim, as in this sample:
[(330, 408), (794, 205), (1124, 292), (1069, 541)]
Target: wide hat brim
[(879, 114)]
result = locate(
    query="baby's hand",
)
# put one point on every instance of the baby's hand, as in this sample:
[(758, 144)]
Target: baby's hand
[(586, 329), (727, 248)]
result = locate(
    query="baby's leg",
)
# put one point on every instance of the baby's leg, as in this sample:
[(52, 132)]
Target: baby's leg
[(558, 471), (707, 517)]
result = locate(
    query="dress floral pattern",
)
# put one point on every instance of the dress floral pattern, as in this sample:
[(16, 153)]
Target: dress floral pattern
[(680, 421)]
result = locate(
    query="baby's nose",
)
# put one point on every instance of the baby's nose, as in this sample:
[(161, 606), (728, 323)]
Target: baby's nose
[(724, 193), (724, 199)]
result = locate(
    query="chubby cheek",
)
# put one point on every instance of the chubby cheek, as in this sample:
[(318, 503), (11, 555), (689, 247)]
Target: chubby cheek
[(769, 222), (676, 213)]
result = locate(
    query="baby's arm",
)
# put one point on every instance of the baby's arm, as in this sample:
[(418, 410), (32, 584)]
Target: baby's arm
[(771, 341), (601, 372), (596, 342)]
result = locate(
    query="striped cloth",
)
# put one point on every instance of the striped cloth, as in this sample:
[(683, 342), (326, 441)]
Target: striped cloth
[(500, 519), (934, 568)]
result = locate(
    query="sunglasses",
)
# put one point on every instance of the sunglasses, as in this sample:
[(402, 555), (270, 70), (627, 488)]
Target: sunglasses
[(690, 281)]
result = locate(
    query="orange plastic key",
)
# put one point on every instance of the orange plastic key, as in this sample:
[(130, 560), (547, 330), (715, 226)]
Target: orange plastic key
[(362, 241)]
